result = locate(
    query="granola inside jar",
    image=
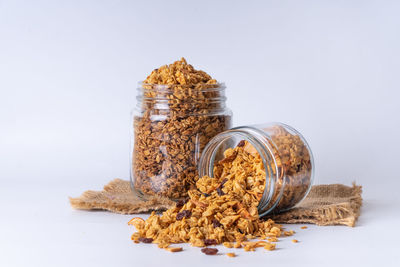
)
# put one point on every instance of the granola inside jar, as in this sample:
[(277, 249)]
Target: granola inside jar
[(287, 162), (179, 109)]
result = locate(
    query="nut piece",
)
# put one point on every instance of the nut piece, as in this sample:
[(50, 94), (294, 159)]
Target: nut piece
[(174, 249)]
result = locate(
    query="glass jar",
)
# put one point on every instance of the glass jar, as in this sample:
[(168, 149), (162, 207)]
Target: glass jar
[(286, 157), (171, 126)]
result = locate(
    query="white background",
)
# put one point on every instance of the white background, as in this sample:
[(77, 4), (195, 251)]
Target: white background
[(68, 73)]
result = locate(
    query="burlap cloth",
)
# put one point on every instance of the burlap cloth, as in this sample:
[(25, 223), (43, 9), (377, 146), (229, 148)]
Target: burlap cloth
[(331, 204)]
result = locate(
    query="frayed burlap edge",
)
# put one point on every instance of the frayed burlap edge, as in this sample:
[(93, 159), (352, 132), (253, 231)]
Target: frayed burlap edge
[(117, 196), (334, 204)]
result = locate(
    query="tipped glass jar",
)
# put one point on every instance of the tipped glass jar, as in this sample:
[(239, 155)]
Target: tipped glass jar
[(172, 124), (287, 162)]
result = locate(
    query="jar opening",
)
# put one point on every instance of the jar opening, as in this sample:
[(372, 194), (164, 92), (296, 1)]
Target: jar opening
[(197, 99), (214, 152)]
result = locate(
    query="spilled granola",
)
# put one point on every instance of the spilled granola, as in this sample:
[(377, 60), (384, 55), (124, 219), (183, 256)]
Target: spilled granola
[(220, 210), (180, 110)]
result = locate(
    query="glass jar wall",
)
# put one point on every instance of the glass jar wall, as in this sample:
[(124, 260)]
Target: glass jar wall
[(171, 126), (286, 157)]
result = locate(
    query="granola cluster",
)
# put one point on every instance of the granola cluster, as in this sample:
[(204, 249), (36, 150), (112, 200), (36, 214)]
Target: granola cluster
[(220, 210), (181, 109)]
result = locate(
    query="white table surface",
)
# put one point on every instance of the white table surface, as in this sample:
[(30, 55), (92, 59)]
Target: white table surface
[(41, 229)]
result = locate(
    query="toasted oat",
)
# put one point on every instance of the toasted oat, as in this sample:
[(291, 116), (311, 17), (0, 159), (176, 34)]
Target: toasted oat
[(260, 244), (231, 254), (270, 246), (135, 237), (228, 244), (272, 239), (137, 221), (249, 248), (295, 241), (163, 245), (304, 227), (276, 231), (237, 245), (288, 233)]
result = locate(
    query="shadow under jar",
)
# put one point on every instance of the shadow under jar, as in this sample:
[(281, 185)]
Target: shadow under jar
[(286, 158), (172, 124)]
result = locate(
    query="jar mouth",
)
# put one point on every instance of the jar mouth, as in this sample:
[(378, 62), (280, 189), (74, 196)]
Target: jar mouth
[(230, 139), (293, 131), (311, 158), (176, 96)]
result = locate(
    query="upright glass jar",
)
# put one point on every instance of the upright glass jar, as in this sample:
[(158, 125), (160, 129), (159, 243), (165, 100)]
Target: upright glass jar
[(286, 157), (171, 126)]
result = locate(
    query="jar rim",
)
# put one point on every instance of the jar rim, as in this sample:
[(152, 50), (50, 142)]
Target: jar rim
[(286, 126), (207, 160)]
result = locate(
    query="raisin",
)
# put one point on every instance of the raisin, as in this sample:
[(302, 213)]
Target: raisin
[(206, 195), (180, 203), (216, 223), (241, 143), (223, 182), (210, 242), (209, 251), (145, 240), (220, 192), (183, 214)]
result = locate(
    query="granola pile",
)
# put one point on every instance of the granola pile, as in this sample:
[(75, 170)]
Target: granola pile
[(220, 210), (181, 109)]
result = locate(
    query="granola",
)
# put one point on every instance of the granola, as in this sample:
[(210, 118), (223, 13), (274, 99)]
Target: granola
[(181, 109), (230, 218)]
